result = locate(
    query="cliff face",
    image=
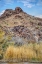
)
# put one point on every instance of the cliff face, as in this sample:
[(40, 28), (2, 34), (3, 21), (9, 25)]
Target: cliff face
[(21, 24)]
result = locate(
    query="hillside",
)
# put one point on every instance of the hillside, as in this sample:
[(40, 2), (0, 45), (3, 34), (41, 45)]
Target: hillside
[(20, 25)]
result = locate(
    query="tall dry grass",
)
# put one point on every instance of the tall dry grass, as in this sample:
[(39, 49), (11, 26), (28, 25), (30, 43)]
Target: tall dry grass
[(2, 33), (30, 51)]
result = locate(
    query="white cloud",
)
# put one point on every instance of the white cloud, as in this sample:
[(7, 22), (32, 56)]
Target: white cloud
[(31, 3), (40, 16), (27, 3), (2, 12)]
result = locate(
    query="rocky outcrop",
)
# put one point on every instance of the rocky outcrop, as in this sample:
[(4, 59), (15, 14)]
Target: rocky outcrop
[(23, 32), (9, 12), (33, 35), (18, 10)]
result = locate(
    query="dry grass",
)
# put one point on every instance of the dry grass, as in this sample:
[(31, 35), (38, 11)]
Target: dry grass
[(30, 51), (2, 33)]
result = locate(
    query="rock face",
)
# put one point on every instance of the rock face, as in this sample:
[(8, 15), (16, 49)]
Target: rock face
[(23, 32), (21, 24), (31, 35), (18, 10)]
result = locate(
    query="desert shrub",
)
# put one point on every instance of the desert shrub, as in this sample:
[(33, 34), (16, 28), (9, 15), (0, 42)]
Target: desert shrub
[(1, 33), (9, 37)]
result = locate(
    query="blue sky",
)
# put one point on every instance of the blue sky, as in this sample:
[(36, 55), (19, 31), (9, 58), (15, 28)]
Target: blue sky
[(32, 7)]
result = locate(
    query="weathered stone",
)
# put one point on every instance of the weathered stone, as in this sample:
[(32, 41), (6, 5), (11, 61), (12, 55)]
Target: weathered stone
[(18, 10)]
